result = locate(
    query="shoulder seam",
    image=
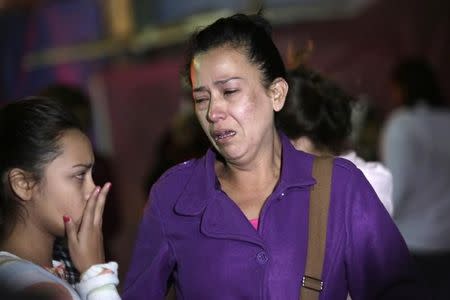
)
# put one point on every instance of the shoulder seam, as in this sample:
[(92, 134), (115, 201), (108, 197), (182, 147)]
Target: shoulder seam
[(345, 163), (178, 167)]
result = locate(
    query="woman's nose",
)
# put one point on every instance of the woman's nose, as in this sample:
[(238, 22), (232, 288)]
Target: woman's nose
[(216, 110)]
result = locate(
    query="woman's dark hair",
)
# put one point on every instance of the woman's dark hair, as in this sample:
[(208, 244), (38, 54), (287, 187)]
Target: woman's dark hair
[(250, 33), (316, 108), (418, 82), (30, 129)]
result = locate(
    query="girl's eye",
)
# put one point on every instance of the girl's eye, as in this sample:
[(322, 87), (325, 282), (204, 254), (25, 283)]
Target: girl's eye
[(80, 176)]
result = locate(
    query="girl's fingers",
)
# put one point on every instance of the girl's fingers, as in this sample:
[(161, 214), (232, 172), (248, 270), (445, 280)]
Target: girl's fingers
[(100, 203), (71, 230), (89, 210)]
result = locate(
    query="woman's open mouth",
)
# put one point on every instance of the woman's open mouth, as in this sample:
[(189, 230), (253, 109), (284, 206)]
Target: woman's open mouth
[(222, 135)]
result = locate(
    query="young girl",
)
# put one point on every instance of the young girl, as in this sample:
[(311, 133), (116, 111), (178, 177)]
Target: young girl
[(47, 191)]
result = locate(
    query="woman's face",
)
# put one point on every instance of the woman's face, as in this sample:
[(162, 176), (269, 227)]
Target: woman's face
[(234, 108), (66, 184)]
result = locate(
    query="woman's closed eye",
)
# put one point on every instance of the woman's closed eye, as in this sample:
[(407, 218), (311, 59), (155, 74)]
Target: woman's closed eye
[(229, 92), (200, 100)]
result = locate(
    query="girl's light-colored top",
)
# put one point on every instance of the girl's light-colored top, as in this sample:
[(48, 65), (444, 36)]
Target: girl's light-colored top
[(18, 274)]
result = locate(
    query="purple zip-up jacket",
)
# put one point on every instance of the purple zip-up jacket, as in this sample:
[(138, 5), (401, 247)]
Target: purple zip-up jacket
[(194, 231)]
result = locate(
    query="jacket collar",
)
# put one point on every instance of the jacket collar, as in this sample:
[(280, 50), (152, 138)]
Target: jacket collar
[(202, 185), (296, 166)]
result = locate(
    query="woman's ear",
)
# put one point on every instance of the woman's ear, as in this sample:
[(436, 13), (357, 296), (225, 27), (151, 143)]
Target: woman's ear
[(21, 183), (278, 89)]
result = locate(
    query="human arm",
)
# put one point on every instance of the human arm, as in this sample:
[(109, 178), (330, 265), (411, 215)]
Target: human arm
[(153, 259), (377, 260), (398, 153)]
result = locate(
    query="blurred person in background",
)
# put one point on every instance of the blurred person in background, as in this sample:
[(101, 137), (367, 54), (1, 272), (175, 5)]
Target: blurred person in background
[(317, 117), (416, 148)]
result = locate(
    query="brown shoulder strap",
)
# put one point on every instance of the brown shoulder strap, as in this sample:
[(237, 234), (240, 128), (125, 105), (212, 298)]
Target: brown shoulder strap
[(319, 203)]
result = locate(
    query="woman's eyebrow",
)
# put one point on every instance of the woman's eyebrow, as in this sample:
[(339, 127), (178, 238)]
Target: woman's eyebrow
[(223, 81), (217, 82), (199, 89)]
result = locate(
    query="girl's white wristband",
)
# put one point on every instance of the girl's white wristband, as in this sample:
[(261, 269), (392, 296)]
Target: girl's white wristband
[(93, 282)]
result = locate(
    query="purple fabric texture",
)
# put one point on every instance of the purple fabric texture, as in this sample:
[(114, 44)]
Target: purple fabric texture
[(194, 231)]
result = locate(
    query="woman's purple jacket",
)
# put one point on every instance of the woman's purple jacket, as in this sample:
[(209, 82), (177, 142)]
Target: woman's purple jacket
[(194, 234)]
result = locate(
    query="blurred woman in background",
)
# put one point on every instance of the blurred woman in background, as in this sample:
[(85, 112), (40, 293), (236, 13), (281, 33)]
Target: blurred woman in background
[(317, 117)]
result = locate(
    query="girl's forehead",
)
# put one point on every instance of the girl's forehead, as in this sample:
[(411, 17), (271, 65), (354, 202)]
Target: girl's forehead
[(75, 146)]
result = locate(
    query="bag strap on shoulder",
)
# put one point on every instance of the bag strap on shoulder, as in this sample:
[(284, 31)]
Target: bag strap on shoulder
[(319, 203)]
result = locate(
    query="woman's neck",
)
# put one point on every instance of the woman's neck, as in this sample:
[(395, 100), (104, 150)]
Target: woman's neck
[(260, 171), (30, 243)]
